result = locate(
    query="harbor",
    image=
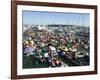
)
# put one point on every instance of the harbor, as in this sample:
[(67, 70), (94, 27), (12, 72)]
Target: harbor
[(55, 45)]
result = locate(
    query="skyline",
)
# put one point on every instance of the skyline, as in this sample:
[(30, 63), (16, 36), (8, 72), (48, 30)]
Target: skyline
[(45, 18)]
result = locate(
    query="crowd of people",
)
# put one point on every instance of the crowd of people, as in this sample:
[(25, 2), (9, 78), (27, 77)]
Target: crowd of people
[(46, 47)]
